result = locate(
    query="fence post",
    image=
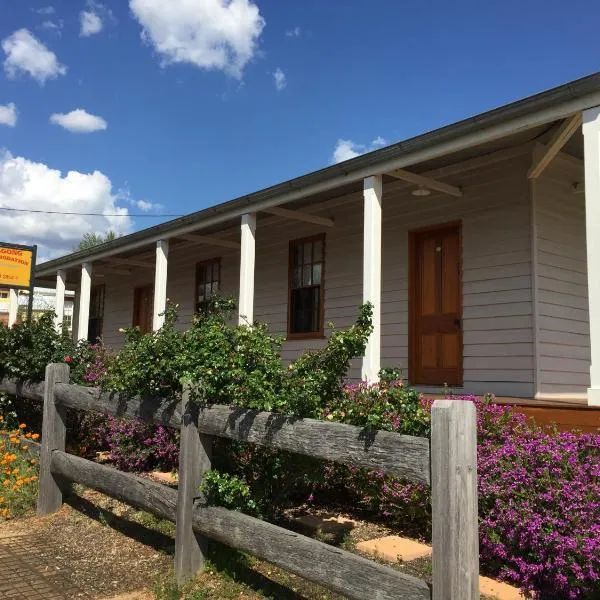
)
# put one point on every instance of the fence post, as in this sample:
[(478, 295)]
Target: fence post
[(454, 500), (54, 432), (195, 454)]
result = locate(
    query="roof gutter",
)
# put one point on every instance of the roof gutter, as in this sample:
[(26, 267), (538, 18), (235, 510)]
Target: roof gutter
[(542, 108)]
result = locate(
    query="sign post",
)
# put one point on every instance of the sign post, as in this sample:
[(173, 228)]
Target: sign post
[(17, 264)]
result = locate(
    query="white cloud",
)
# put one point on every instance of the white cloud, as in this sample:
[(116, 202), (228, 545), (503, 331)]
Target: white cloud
[(79, 121), (26, 184), (8, 114), (45, 10), (210, 34), (280, 79), (146, 206), (25, 53), (55, 26), (295, 32), (90, 23), (347, 149)]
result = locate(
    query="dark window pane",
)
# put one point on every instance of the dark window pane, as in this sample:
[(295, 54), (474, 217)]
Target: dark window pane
[(317, 251), (306, 275), (297, 254), (316, 274), (305, 310), (307, 258), (297, 279)]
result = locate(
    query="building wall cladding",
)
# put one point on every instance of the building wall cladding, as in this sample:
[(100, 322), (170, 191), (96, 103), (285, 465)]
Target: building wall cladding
[(495, 214), (563, 329)]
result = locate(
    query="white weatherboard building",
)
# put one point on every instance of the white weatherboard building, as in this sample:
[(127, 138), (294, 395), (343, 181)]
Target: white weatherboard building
[(469, 240), (13, 303)]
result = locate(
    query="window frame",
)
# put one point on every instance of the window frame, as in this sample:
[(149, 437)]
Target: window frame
[(200, 265), (310, 335)]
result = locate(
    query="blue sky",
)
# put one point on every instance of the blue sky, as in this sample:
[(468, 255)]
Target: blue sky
[(185, 129)]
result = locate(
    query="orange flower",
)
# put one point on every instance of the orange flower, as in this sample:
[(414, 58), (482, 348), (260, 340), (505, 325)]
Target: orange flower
[(35, 436), (22, 426)]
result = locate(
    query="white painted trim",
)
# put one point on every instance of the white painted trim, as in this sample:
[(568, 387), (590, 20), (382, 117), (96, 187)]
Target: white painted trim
[(372, 192), (591, 148), (83, 320), (561, 136), (160, 284), (61, 283), (537, 372), (558, 397), (427, 182), (247, 266), (300, 216), (13, 306)]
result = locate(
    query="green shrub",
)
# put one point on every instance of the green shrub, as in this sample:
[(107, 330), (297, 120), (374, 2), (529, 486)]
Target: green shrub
[(148, 364), (26, 349), (388, 405), (235, 364), (228, 491)]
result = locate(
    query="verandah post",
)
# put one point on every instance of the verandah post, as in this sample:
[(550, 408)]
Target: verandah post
[(454, 500), (54, 431), (195, 455)]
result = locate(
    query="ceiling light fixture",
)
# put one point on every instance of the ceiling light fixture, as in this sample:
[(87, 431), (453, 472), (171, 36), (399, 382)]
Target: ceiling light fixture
[(421, 191)]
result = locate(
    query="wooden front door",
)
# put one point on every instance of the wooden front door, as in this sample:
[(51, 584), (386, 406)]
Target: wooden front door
[(143, 303), (435, 312)]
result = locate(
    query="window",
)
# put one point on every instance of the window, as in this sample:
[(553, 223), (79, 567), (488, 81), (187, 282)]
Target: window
[(3, 295), (306, 272), (68, 322), (208, 282)]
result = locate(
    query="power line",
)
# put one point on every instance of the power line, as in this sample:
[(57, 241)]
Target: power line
[(80, 214)]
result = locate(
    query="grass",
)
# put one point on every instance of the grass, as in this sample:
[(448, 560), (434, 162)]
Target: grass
[(230, 574), (18, 474)]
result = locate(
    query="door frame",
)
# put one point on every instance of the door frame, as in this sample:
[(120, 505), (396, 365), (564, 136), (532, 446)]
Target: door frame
[(413, 234)]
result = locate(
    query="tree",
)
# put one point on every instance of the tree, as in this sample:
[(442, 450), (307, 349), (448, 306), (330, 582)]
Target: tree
[(92, 239)]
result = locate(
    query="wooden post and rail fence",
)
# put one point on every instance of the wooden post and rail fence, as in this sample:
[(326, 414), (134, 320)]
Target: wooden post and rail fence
[(448, 464)]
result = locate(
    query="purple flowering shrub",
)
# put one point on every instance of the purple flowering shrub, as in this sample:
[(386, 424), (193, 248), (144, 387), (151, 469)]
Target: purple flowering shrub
[(539, 502), (135, 446), (539, 496)]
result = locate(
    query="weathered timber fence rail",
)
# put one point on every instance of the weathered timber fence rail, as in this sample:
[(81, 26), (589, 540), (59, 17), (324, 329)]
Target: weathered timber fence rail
[(449, 467)]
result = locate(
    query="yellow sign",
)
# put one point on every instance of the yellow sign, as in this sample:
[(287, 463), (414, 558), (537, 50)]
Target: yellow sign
[(16, 264)]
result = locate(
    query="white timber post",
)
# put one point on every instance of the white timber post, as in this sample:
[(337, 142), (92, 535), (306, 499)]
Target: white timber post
[(85, 289), (61, 281), (13, 306), (160, 284), (372, 192), (455, 537), (591, 151), (247, 261)]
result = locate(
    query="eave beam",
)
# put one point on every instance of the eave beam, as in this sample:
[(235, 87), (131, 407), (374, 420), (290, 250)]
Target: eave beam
[(427, 182), (207, 239), (300, 216), (130, 262), (562, 135)]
